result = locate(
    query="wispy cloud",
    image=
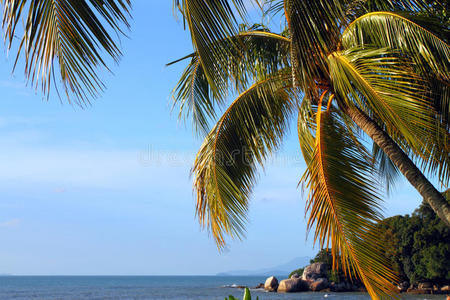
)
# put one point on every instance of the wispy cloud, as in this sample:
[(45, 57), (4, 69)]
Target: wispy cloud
[(10, 223), (59, 190)]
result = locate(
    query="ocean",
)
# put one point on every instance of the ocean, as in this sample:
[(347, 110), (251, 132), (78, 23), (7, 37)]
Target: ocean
[(150, 287)]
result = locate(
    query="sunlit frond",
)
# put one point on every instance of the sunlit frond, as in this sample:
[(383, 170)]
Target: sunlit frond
[(225, 167), (344, 205), (211, 23), (65, 41), (261, 54), (388, 29), (357, 8), (381, 83), (314, 28)]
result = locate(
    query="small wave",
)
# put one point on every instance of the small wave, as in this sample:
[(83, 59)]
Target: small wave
[(234, 286)]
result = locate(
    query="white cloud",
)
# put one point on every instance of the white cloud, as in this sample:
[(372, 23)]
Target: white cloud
[(59, 190), (10, 223)]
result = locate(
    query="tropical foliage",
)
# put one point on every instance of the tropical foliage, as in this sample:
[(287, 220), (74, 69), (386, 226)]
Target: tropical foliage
[(64, 42), (418, 245), (298, 271), (340, 66)]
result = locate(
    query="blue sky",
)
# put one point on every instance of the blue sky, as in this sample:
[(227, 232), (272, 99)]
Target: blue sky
[(106, 190)]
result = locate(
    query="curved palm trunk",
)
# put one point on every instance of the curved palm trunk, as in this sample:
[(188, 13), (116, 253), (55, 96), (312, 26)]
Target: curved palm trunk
[(436, 200)]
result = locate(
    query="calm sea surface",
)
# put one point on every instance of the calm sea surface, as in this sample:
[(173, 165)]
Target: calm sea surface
[(148, 287)]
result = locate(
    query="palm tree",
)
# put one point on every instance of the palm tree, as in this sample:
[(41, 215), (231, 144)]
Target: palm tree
[(348, 69), (64, 42)]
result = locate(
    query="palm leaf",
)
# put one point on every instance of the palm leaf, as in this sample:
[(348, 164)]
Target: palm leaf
[(211, 22), (225, 167), (381, 83), (261, 55), (314, 28), (389, 173), (388, 29), (193, 95), (306, 126), (387, 5), (68, 36), (344, 205)]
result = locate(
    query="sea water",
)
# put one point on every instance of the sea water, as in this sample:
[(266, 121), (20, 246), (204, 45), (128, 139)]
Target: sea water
[(151, 287)]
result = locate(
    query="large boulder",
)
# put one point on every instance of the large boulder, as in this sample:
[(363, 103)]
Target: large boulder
[(315, 271), (319, 284), (271, 284), (292, 285)]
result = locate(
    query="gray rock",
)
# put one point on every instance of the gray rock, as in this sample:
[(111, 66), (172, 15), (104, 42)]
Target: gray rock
[(338, 287), (319, 284), (425, 286), (271, 284), (295, 275), (403, 287), (292, 285), (315, 271), (259, 286)]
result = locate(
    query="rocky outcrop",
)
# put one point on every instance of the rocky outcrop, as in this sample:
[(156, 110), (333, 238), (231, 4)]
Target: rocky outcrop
[(295, 275), (271, 284), (319, 284), (315, 271), (425, 286), (259, 286), (292, 285), (342, 287), (403, 287), (418, 292)]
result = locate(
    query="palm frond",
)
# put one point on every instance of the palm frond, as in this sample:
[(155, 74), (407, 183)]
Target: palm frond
[(344, 205), (261, 55), (391, 30), (314, 28), (389, 173), (225, 167), (193, 95), (274, 7), (440, 92), (390, 5), (211, 23), (383, 84), (306, 127), (64, 40)]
